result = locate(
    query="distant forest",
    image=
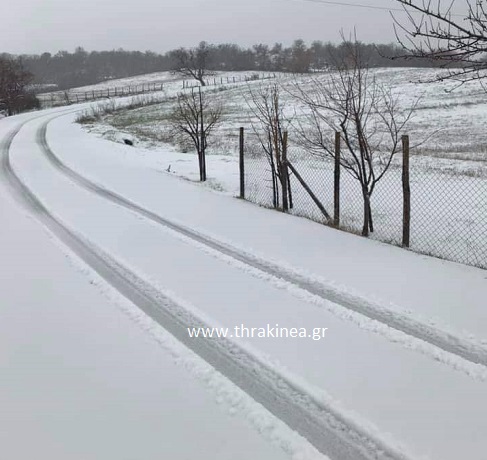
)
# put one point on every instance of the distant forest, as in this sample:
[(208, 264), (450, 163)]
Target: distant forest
[(67, 70)]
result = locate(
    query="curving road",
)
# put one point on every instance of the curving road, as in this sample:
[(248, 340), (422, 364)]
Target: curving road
[(329, 427)]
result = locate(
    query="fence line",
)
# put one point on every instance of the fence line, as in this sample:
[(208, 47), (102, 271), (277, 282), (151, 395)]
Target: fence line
[(62, 98), (428, 211), (220, 81)]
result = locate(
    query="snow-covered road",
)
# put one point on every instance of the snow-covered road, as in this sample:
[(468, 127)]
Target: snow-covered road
[(385, 382), (85, 374)]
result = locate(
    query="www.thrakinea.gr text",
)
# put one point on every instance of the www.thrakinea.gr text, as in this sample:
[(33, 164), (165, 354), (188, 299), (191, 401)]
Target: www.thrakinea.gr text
[(266, 331)]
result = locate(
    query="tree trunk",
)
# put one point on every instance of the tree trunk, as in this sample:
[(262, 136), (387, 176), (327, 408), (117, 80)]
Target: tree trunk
[(275, 188), (371, 220), (200, 164), (367, 217), (203, 138), (203, 164)]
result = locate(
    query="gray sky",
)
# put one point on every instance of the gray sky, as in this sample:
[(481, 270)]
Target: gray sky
[(34, 26)]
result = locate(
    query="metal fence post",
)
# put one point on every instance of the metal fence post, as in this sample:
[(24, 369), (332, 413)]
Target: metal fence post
[(284, 174), (336, 185), (242, 164), (406, 190)]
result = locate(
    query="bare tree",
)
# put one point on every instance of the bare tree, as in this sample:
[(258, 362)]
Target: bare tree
[(431, 31), (266, 104), (193, 63), (366, 113), (196, 116), (13, 85)]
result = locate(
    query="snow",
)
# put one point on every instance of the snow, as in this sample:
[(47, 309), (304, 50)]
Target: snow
[(429, 289), (369, 377), (85, 374), (448, 162), (73, 347), (170, 82)]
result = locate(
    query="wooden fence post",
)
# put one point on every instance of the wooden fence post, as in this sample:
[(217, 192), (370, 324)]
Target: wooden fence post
[(242, 164), (336, 185), (284, 174), (406, 190)]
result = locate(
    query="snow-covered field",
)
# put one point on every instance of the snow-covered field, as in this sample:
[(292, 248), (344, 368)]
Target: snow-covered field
[(448, 168), (140, 84)]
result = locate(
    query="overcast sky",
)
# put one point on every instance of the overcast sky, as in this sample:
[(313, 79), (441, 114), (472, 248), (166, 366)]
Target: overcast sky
[(35, 26)]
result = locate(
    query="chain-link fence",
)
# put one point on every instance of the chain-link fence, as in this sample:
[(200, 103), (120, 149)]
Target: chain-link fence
[(260, 177), (448, 210), (449, 214)]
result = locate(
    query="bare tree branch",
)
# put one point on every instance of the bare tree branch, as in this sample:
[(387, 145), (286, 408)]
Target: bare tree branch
[(432, 32), (193, 63), (196, 116), (266, 104), (366, 113)]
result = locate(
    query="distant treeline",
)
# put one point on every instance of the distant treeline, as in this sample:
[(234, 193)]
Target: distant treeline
[(67, 70)]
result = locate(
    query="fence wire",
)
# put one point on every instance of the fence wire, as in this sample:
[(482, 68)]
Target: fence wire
[(260, 181), (317, 174), (448, 208), (449, 215)]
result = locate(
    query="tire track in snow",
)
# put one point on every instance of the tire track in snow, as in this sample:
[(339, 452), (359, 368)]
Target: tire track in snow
[(445, 341), (328, 429)]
